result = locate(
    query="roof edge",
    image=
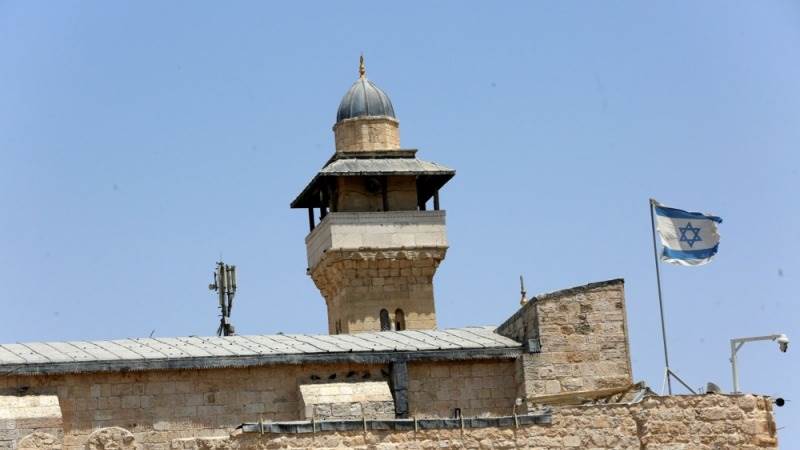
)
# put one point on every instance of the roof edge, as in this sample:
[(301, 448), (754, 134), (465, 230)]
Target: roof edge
[(223, 362)]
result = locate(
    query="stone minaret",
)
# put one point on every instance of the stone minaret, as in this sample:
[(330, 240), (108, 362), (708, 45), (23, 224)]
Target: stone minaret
[(376, 247)]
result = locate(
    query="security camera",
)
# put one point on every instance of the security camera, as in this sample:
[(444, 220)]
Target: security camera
[(783, 342)]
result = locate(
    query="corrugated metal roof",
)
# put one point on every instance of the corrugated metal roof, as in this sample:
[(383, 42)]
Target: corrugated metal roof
[(242, 351), (387, 166)]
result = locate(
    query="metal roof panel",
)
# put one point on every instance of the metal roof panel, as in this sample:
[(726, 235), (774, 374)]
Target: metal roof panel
[(488, 333), (97, 353), (9, 357), (71, 351), (206, 345), (273, 346), (235, 346), (199, 352), (48, 352), (114, 348), (25, 352)]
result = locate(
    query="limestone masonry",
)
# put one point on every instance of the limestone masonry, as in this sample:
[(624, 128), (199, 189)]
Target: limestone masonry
[(556, 374)]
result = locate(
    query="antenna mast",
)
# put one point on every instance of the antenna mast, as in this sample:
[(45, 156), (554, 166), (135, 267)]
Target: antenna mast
[(522, 292), (225, 285)]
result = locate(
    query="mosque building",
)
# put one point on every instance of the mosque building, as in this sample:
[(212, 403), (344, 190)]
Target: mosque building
[(556, 374)]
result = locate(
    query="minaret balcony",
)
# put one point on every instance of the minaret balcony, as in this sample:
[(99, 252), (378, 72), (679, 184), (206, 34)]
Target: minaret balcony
[(376, 230)]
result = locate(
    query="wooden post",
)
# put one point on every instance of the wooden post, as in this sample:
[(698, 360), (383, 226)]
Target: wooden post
[(333, 197), (436, 200), (384, 193), (310, 220), (323, 210)]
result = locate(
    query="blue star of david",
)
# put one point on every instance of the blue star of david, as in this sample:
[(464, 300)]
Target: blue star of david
[(694, 238)]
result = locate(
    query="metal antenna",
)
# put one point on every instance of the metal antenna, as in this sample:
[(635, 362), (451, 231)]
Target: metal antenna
[(225, 285), (522, 292)]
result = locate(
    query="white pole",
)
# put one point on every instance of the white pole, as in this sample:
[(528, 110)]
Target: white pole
[(733, 367), (737, 344)]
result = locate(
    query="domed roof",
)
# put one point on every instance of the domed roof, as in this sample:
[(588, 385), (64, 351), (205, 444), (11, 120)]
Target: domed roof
[(364, 99)]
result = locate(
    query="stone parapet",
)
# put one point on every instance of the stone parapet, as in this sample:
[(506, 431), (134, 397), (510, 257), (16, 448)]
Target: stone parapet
[(709, 422), (577, 340), (376, 230)]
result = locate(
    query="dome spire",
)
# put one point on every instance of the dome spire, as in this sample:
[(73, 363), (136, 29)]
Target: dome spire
[(362, 71)]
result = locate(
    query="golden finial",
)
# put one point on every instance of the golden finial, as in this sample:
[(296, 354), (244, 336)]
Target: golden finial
[(362, 71)]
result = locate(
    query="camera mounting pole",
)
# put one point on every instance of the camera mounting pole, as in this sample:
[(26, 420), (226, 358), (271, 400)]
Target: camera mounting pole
[(737, 343)]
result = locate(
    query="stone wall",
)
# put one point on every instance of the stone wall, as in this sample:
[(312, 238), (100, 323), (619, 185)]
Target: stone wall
[(198, 409), (358, 284), (401, 193), (358, 194), (29, 421), (159, 406), (362, 194), (711, 422), (367, 134), (363, 399), (477, 388), (582, 339)]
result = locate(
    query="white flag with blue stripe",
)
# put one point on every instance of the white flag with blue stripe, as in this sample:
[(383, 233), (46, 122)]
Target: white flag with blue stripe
[(688, 238)]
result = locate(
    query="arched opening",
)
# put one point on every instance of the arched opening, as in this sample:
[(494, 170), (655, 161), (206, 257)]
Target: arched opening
[(399, 320), (385, 324)]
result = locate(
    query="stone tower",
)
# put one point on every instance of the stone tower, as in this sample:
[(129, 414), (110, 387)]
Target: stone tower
[(376, 247)]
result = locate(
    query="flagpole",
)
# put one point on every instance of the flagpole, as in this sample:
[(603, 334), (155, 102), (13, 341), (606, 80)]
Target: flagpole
[(667, 371)]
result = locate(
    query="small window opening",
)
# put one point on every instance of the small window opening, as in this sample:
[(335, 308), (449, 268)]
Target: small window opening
[(385, 324), (399, 320)]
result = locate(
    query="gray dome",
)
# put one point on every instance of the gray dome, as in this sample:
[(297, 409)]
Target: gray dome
[(364, 99)]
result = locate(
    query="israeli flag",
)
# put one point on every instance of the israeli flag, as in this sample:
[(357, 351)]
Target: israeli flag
[(688, 238)]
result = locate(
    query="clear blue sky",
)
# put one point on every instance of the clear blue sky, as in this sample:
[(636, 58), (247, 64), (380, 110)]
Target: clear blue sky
[(138, 142)]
